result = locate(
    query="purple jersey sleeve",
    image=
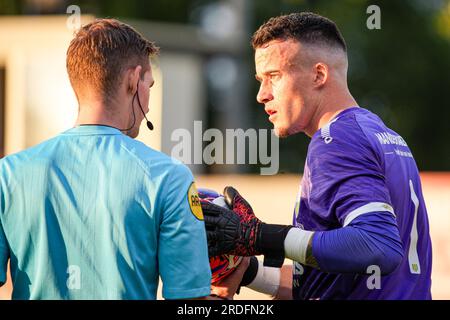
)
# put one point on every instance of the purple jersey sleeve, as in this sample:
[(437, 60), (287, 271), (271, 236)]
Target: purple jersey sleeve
[(371, 239), (356, 166)]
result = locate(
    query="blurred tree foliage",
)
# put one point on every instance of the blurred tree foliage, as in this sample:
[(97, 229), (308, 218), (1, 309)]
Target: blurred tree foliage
[(401, 71)]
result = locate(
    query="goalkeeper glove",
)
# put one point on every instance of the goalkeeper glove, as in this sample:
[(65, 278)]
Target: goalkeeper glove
[(238, 231)]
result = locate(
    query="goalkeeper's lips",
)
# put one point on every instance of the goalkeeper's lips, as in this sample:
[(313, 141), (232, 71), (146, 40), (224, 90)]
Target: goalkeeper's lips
[(272, 113)]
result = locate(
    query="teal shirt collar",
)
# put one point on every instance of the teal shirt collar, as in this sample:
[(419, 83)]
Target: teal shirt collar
[(93, 130)]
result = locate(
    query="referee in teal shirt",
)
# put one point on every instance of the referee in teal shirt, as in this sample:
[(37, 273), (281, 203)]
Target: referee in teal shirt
[(93, 213)]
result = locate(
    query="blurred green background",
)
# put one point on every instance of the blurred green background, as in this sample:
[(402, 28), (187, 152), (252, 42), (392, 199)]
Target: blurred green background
[(401, 71)]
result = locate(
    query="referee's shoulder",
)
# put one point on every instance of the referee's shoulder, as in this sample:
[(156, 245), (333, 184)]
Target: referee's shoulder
[(30, 154), (154, 159)]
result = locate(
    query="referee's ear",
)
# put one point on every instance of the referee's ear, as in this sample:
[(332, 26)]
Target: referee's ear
[(132, 78)]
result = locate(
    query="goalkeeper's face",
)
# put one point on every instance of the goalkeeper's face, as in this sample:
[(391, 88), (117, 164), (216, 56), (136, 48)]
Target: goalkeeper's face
[(286, 88)]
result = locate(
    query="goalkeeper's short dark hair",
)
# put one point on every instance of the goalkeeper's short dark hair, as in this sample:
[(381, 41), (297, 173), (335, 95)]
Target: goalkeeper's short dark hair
[(306, 27)]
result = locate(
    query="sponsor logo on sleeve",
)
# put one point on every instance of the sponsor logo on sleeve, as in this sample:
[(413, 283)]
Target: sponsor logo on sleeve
[(194, 202)]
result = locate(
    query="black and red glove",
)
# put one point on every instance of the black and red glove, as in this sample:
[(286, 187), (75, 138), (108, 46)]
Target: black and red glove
[(239, 232)]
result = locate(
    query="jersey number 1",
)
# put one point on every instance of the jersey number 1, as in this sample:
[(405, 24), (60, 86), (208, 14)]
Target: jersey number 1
[(413, 257)]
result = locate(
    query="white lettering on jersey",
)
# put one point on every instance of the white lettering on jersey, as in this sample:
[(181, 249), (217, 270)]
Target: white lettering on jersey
[(389, 138)]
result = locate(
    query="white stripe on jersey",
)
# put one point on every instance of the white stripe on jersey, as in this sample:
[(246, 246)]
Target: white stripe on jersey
[(325, 132), (367, 208)]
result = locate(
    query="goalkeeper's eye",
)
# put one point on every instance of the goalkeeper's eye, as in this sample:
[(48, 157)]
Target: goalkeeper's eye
[(275, 76)]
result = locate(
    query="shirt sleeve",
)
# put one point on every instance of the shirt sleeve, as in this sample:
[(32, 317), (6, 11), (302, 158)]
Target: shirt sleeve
[(183, 252), (4, 248), (346, 177), (369, 240), (4, 256)]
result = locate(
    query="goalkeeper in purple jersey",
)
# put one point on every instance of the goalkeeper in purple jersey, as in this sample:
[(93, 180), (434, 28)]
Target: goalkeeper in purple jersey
[(360, 227)]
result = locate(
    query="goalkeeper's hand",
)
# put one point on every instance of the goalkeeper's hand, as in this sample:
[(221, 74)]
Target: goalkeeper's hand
[(228, 231), (238, 231)]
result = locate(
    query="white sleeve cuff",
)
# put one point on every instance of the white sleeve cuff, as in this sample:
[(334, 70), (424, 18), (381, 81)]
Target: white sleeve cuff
[(296, 244)]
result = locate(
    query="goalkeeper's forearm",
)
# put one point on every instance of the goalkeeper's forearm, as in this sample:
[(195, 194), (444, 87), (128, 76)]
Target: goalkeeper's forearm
[(372, 240)]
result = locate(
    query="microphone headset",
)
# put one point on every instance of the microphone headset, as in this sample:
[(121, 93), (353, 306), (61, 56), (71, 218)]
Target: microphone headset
[(149, 124)]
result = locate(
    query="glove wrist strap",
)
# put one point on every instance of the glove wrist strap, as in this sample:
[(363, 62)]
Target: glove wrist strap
[(270, 243)]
